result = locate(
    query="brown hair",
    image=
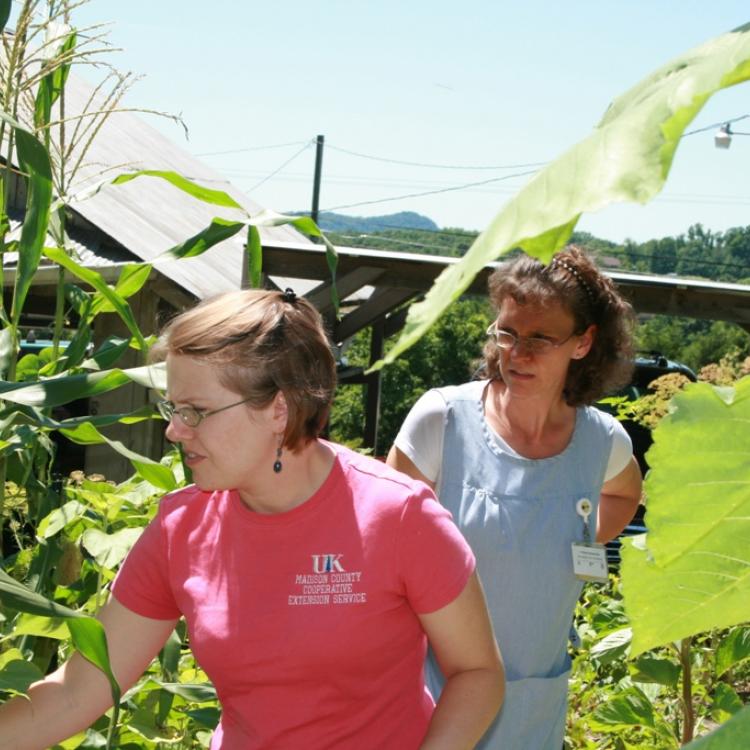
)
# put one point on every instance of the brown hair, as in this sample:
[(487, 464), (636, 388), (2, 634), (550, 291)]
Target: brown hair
[(572, 280), (262, 342)]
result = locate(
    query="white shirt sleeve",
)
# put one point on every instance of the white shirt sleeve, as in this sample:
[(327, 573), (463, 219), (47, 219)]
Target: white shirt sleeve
[(421, 438), (421, 435), (622, 450)]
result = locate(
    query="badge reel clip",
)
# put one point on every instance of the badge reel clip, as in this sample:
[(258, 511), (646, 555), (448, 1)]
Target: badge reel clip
[(589, 558)]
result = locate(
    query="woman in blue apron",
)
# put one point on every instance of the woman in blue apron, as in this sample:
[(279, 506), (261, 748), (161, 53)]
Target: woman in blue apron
[(536, 478)]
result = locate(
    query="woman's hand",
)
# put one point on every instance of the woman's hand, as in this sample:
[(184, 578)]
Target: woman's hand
[(463, 642), (73, 697)]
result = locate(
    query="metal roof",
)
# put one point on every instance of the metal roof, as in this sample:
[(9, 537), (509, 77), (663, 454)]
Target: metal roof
[(148, 216)]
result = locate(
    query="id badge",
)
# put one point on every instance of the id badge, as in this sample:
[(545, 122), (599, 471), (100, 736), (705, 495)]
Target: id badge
[(590, 561)]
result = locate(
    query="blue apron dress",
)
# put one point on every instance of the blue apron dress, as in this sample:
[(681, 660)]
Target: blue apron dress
[(519, 516)]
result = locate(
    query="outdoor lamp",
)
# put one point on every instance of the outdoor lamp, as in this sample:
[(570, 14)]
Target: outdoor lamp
[(723, 137)]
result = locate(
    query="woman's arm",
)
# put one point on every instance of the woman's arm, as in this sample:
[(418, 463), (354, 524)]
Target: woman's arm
[(618, 502), (461, 637), (398, 460), (73, 697)]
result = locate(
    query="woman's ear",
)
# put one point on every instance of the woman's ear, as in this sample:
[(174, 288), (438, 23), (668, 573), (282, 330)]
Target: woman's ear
[(279, 412), (585, 342)]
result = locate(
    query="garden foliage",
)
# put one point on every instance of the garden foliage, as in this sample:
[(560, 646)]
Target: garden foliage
[(63, 538)]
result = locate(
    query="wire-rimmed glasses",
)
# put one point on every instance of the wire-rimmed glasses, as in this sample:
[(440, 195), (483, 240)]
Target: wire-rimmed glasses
[(531, 344), (190, 415)]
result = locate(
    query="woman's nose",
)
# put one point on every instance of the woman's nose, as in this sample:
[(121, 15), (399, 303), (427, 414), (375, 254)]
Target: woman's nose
[(177, 430), (521, 349)]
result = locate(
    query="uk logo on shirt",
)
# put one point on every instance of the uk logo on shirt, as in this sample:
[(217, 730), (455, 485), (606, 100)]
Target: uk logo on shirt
[(327, 563)]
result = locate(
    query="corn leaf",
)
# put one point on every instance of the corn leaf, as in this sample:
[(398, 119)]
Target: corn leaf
[(35, 163), (131, 280), (626, 158), (86, 633), (215, 197), (691, 572), (157, 474), (254, 257), (51, 86), (217, 231), (118, 303), (61, 390)]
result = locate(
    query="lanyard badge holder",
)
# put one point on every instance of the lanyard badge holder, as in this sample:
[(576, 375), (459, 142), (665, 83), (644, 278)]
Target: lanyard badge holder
[(589, 558)]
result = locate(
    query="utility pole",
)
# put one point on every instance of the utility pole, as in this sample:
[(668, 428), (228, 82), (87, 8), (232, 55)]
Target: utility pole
[(316, 180)]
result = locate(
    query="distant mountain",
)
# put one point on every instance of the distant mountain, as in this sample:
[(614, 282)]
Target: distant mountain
[(333, 222)]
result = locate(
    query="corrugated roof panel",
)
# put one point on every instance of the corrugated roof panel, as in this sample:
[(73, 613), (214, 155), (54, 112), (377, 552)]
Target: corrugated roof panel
[(148, 215)]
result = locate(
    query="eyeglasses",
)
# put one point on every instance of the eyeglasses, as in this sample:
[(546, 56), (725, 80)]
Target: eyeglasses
[(531, 344), (189, 415)]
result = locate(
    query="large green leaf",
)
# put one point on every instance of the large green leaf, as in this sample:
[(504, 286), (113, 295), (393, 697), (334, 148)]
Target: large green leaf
[(626, 158), (57, 519), (624, 710), (109, 550), (691, 573), (653, 669), (733, 735), (17, 675), (733, 649)]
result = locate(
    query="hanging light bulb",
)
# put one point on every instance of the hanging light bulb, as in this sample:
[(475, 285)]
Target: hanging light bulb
[(723, 137)]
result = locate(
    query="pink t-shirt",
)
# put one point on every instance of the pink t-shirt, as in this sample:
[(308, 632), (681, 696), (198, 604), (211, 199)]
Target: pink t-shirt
[(306, 621)]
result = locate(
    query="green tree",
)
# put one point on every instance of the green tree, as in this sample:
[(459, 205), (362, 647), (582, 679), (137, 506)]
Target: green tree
[(445, 355)]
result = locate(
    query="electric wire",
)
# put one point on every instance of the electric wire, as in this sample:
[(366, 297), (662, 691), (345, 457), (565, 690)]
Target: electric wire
[(432, 192), (250, 148), (432, 166), (276, 171), (716, 125)]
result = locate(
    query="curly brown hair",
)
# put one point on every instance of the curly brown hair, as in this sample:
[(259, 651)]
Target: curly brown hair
[(573, 280), (262, 342)]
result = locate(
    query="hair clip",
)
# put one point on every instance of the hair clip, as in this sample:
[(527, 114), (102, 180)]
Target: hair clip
[(560, 263), (289, 296)]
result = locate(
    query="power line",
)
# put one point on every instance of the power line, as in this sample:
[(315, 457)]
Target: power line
[(716, 125), (432, 166), (431, 192), (250, 148), (276, 171)]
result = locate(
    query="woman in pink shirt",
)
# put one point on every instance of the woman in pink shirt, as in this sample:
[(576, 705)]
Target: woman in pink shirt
[(311, 577)]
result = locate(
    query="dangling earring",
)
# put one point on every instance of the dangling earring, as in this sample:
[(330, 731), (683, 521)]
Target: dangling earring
[(277, 463)]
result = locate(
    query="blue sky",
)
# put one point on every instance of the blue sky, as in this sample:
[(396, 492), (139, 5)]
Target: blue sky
[(471, 83)]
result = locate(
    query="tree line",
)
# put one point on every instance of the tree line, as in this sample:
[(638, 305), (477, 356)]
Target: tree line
[(449, 352)]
